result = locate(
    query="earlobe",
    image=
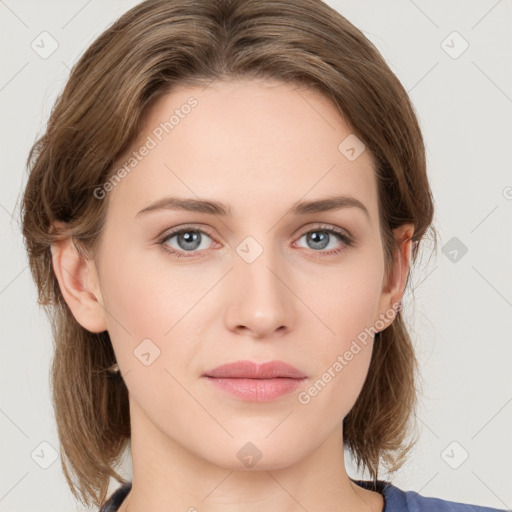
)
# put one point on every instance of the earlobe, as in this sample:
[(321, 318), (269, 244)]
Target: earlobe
[(78, 282)]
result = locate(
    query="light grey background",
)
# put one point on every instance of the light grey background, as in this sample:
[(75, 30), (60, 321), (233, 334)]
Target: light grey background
[(461, 313)]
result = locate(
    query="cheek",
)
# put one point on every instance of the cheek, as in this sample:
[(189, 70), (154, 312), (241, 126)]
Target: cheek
[(155, 315), (148, 299), (348, 305), (341, 360), (344, 298), (148, 318)]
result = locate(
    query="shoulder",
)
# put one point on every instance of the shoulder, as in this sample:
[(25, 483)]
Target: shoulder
[(397, 500), (114, 502)]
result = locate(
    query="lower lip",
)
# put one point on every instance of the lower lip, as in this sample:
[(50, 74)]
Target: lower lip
[(257, 390)]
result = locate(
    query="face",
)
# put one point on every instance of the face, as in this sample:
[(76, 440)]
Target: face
[(187, 287)]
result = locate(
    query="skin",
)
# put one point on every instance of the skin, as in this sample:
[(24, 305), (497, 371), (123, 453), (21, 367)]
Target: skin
[(259, 147)]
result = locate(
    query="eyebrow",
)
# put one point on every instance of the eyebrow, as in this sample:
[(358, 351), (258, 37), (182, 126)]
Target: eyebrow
[(218, 208)]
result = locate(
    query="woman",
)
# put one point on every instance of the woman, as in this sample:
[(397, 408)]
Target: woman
[(221, 219)]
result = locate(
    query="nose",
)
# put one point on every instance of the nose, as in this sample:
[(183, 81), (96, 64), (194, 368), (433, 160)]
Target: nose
[(260, 301)]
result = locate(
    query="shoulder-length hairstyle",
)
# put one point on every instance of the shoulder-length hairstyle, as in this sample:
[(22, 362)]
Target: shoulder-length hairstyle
[(152, 48)]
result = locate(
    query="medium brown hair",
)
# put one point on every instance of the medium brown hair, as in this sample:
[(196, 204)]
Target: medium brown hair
[(154, 47)]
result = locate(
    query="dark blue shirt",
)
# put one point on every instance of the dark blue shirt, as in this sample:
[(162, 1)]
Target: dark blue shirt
[(395, 500)]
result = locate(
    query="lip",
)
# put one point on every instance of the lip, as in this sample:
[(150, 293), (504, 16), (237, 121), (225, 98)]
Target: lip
[(251, 370), (256, 382)]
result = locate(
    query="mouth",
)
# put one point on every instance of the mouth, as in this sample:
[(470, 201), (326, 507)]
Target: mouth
[(256, 383)]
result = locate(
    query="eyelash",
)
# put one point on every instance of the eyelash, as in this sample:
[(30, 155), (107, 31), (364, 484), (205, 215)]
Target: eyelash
[(345, 239)]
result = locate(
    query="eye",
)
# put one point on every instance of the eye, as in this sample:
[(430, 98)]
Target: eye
[(192, 240), (321, 237), (187, 240)]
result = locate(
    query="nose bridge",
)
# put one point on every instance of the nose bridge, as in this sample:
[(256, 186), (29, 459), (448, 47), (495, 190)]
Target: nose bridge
[(260, 299)]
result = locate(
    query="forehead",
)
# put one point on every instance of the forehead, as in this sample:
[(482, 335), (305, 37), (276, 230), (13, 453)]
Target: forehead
[(261, 142)]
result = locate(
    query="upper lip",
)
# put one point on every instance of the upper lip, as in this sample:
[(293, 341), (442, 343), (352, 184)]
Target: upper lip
[(251, 370)]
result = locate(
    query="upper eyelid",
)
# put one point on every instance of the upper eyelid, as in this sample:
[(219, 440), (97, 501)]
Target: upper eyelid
[(175, 231)]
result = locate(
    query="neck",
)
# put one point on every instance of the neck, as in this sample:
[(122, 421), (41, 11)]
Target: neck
[(167, 476)]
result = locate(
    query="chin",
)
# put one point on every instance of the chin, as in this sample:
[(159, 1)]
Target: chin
[(248, 452)]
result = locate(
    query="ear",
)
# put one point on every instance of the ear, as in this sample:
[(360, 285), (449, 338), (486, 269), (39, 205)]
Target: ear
[(79, 285), (393, 289)]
